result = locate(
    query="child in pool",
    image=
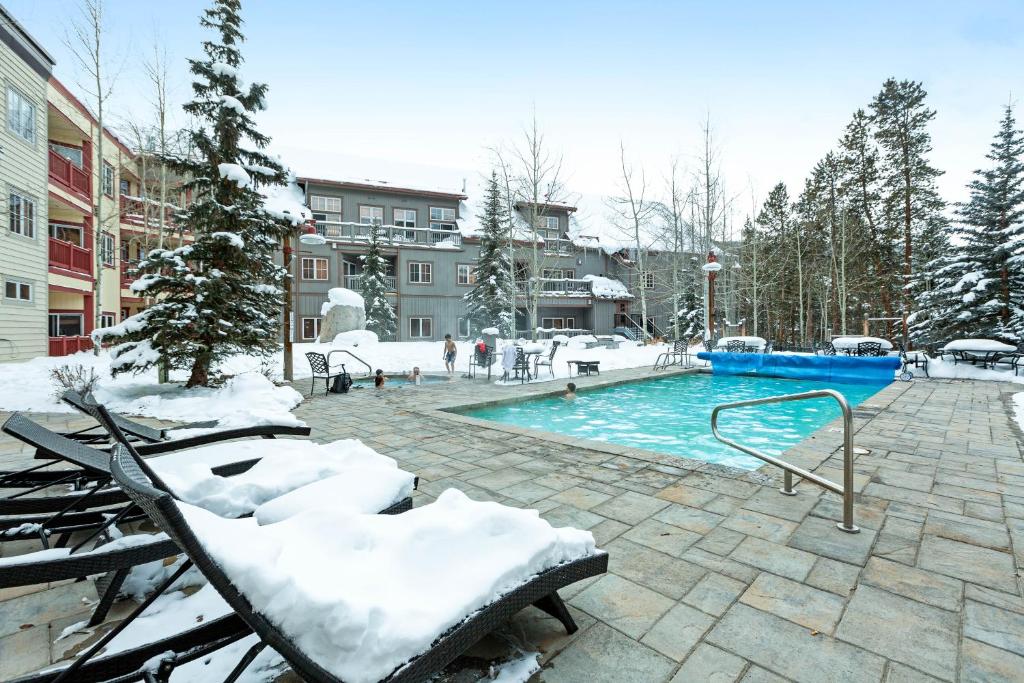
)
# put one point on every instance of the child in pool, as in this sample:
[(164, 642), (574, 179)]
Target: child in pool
[(570, 391), (379, 379)]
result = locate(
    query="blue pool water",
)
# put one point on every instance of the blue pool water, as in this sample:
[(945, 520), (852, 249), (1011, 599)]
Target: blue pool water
[(673, 415)]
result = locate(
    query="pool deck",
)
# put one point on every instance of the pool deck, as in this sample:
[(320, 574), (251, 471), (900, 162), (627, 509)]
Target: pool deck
[(714, 575)]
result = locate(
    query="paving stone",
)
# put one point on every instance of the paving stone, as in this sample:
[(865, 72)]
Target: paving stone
[(969, 530), (567, 515), (916, 584), (497, 481), (24, 651), (794, 601), (687, 495), (714, 593), (998, 627), (607, 530), (582, 498), (978, 565), (627, 606), (758, 524), (42, 607), (720, 541), (1014, 603), (918, 498), (601, 654), (678, 631), (631, 508), (667, 575), (833, 576), (772, 502), (771, 641), (904, 480), (991, 513), (903, 528), (689, 518), (910, 632), (981, 663), (901, 673), (662, 537), (709, 664), (895, 548), (722, 565), (775, 558), (719, 484), (756, 674), (527, 492), (724, 505), (822, 537)]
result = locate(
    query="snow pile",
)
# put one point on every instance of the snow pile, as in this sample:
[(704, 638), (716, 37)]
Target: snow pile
[(355, 338), (129, 354), (340, 296), (489, 330), (516, 670), (607, 288), (286, 202), (363, 594), (342, 468), (235, 174), (231, 238)]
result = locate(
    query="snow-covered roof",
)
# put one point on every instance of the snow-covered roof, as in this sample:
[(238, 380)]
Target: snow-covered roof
[(286, 202), (387, 186), (607, 288)]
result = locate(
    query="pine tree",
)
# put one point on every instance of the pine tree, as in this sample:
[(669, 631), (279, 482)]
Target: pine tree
[(380, 317), (980, 287), (489, 303), (220, 295)]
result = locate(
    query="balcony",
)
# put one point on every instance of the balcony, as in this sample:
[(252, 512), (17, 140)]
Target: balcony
[(557, 287), (389, 234), (71, 177), (126, 279), (390, 282), (558, 246), (133, 212), (70, 257), (65, 346)]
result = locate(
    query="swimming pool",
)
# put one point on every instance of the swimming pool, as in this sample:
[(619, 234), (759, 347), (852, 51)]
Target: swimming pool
[(398, 380), (673, 415)]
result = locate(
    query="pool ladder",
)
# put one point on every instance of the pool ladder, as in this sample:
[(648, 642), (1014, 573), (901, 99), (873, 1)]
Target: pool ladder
[(369, 368), (846, 490)]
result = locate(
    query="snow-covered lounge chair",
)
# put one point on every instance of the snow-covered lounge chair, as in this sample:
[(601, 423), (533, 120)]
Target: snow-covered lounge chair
[(342, 597), (233, 477)]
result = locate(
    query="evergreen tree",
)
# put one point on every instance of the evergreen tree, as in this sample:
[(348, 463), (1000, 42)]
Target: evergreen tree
[(380, 317), (980, 287), (221, 294), (489, 303)]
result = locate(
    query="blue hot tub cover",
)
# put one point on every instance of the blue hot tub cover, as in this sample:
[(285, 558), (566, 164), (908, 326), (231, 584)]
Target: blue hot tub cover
[(842, 369)]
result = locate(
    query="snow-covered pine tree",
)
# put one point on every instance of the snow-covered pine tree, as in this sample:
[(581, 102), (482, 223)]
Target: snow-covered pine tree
[(220, 295), (489, 303), (980, 286), (380, 316)]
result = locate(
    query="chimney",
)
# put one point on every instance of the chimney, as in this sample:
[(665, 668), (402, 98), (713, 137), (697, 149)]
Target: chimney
[(463, 186)]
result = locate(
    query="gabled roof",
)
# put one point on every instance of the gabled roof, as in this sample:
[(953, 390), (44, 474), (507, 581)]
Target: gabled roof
[(385, 186), (21, 41)]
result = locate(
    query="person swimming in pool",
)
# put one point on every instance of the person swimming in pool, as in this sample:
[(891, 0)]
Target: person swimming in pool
[(415, 377), (570, 391), (379, 379)]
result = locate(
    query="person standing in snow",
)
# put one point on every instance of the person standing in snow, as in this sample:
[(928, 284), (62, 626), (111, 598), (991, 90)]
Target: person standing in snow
[(449, 354)]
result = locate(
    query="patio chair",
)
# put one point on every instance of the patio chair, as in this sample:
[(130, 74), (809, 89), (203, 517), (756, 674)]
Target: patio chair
[(828, 349), (912, 359), (869, 349), (735, 346), (679, 355), (448, 643), (548, 362), (321, 367), (521, 369), (767, 347), (481, 359)]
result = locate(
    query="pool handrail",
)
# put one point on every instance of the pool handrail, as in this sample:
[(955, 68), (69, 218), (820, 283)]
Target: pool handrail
[(369, 368), (846, 490)]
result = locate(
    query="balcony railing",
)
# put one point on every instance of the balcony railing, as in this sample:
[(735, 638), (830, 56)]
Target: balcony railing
[(126, 279), (390, 282), (64, 346), (133, 212), (558, 246), (389, 234), (548, 333), (70, 256), (65, 173), (557, 287)]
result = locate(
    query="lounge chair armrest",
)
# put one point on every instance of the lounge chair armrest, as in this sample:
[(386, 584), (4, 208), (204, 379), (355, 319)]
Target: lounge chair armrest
[(264, 431)]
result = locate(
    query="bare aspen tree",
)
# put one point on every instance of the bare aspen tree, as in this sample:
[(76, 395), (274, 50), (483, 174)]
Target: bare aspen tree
[(709, 203), (681, 246), (156, 71), (85, 40)]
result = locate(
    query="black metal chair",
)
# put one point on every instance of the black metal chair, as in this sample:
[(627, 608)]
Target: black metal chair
[(828, 349), (735, 346), (540, 591), (481, 359), (521, 369), (679, 355), (548, 362), (321, 367), (870, 349), (912, 359)]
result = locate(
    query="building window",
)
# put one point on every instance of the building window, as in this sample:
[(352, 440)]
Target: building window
[(66, 233), (647, 280), (421, 273), (551, 223), (22, 212), (558, 323), (405, 218), (559, 273), (17, 291), (66, 325), (315, 269), (371, 215), (464, 328), (125, 187), (465, 274), (321, 203), (310, 328), (107, 320), (108, 179), (72, 154), (442, 218), (107, 249), (21, 116), (421, 328)]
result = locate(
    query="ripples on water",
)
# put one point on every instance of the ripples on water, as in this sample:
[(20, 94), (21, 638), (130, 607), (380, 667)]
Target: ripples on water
[(673, 415)]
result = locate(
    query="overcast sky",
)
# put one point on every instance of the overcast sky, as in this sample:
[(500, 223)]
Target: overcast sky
[(420, 90)]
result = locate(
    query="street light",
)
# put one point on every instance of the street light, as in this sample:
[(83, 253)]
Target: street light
[(711, 268)]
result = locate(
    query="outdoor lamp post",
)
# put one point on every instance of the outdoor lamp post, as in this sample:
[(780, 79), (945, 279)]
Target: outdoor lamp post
[(711, 268), (307, 235)]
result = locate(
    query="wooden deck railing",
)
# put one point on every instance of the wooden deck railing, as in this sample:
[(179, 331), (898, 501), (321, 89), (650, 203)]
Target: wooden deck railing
[(65, 173), (64, 346), (70, 256)]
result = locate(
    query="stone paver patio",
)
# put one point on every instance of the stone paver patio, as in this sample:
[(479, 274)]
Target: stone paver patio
[(715, 576)]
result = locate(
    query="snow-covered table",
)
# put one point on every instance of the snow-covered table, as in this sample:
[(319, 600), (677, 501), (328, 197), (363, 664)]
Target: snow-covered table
[(987, 351), (755, 344), (848, 345)]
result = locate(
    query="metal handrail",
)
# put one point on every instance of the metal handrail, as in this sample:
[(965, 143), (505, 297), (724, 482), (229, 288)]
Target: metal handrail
[(846, 490), (369, 368)]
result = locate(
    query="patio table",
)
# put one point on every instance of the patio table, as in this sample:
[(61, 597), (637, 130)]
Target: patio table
[(848, 345), (987, 351), (750, 344)]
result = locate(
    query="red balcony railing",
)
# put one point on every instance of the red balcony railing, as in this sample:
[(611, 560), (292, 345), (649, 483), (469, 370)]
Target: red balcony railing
[(126, 279), (64, 346), (133, 212), (69, 256), (65, 173)]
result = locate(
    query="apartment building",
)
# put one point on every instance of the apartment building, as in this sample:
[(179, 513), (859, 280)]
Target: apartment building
[(24, 70)]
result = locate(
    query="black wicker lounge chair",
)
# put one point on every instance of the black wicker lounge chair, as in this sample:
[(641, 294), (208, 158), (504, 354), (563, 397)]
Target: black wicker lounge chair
[(540, 591), (679, 355), (548, 362)]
